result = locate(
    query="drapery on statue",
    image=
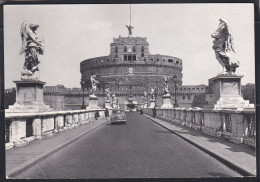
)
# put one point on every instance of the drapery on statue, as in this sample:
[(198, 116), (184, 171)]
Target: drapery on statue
[(94, 83), (129, 30), (166, 86), (108, 93), (31, 47), (223, 45)]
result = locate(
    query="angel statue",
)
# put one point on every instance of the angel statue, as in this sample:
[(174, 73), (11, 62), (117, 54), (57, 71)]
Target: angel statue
[(108, 93), (129, 30), (94, 83), (223, 46), (32, 46), (166, 86)]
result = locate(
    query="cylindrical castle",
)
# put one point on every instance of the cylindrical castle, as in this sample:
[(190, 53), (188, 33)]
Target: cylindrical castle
[(130, 70)]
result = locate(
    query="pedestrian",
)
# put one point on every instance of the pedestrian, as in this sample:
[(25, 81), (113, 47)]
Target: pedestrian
[(106, 113), (96, 115), (154, 112)]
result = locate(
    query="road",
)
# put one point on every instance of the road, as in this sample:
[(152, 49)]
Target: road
[(138, 149)]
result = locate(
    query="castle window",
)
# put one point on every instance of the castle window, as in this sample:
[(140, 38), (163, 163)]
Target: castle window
[(134, 57), (129, 49), (116, 49), (142, 55), (183, 97), (125, 49), (142, 49), (125, 58), (158, 59), (189, 97), (177, 62), (133, 48), (170, 60), (129, 58), (107, 60)]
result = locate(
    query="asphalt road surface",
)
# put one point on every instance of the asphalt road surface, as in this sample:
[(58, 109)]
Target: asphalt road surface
[(137, 149)]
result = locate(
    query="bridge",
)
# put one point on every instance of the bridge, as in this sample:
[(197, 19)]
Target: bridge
[(177, 143)]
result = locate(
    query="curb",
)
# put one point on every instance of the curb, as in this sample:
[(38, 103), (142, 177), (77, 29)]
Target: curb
[(232, 164), (17, 170)]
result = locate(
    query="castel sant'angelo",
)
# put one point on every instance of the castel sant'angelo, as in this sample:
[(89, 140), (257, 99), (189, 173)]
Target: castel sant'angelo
[(130, 71)]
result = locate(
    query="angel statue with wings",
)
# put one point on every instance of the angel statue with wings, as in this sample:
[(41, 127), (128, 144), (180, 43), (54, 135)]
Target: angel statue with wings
[(223, 46), (129, 30), (166, 85), (108, 93), (32, 46), (94, 83)]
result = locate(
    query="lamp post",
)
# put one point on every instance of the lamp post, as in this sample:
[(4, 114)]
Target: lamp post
[(83, 84), (155, 95), (175, 90)]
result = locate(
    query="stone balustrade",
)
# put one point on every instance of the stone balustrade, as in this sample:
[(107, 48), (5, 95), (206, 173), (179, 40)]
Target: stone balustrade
[(237, 126), (21, 128)]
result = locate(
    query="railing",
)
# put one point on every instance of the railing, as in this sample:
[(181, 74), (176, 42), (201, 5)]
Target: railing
[(23, 127), (238, 126)]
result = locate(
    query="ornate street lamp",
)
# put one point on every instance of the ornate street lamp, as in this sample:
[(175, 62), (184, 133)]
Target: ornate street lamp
[(155, 95), (83, 84), (175, 90)]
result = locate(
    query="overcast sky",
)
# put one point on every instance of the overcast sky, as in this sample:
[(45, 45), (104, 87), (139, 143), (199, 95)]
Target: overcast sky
[(74, 33)]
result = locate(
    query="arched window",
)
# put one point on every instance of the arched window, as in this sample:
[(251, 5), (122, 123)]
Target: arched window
[(142, 49), (116, 49)]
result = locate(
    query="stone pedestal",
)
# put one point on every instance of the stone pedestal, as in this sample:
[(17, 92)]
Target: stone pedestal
[(107, 104), (93, 102), (29, 97), (145, 105), (152, 104), (227, 92), (166, 102)]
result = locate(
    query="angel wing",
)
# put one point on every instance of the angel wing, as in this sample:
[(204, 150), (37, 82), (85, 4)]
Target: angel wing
[(24, 35)]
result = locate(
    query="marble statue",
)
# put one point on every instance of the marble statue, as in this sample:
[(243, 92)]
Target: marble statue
[(108, 93), (152, 92), (129, 30), (223, 46), (32, 46), (145, 96), (94, 83), (166, 85)]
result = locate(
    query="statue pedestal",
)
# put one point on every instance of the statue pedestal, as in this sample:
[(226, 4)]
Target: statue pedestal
[(107, 104), (29, 97), (93, 102), (145, 105), (152, 104), (227, 92), (166, 102)]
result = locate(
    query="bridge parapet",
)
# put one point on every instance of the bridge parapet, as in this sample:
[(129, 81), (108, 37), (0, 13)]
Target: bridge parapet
[(237, 126), (21, 128)]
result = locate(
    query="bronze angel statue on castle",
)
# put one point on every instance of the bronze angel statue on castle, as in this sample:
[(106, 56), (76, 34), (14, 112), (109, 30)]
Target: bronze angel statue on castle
[(223, 46), (32, 46)]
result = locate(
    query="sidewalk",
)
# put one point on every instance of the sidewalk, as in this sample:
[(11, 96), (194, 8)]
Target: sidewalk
[(238, 157), (18, 159)]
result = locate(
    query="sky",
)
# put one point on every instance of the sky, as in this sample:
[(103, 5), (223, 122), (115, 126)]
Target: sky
[(73, 33)]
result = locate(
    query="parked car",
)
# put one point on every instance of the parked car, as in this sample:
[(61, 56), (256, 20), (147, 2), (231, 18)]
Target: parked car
[(118, 117)]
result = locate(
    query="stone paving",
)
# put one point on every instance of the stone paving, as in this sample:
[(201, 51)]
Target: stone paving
[(239, 156), (19, 158)]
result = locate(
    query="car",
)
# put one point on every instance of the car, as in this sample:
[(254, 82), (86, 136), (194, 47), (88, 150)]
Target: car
[(118, 117)]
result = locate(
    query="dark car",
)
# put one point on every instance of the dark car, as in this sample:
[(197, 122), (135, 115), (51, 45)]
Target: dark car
[(118, 117)]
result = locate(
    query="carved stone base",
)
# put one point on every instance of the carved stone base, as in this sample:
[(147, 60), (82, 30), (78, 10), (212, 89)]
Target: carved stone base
[(29, 97), (166, 102), (152, 104), (93, 103), (227, 92), (107, 104)]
